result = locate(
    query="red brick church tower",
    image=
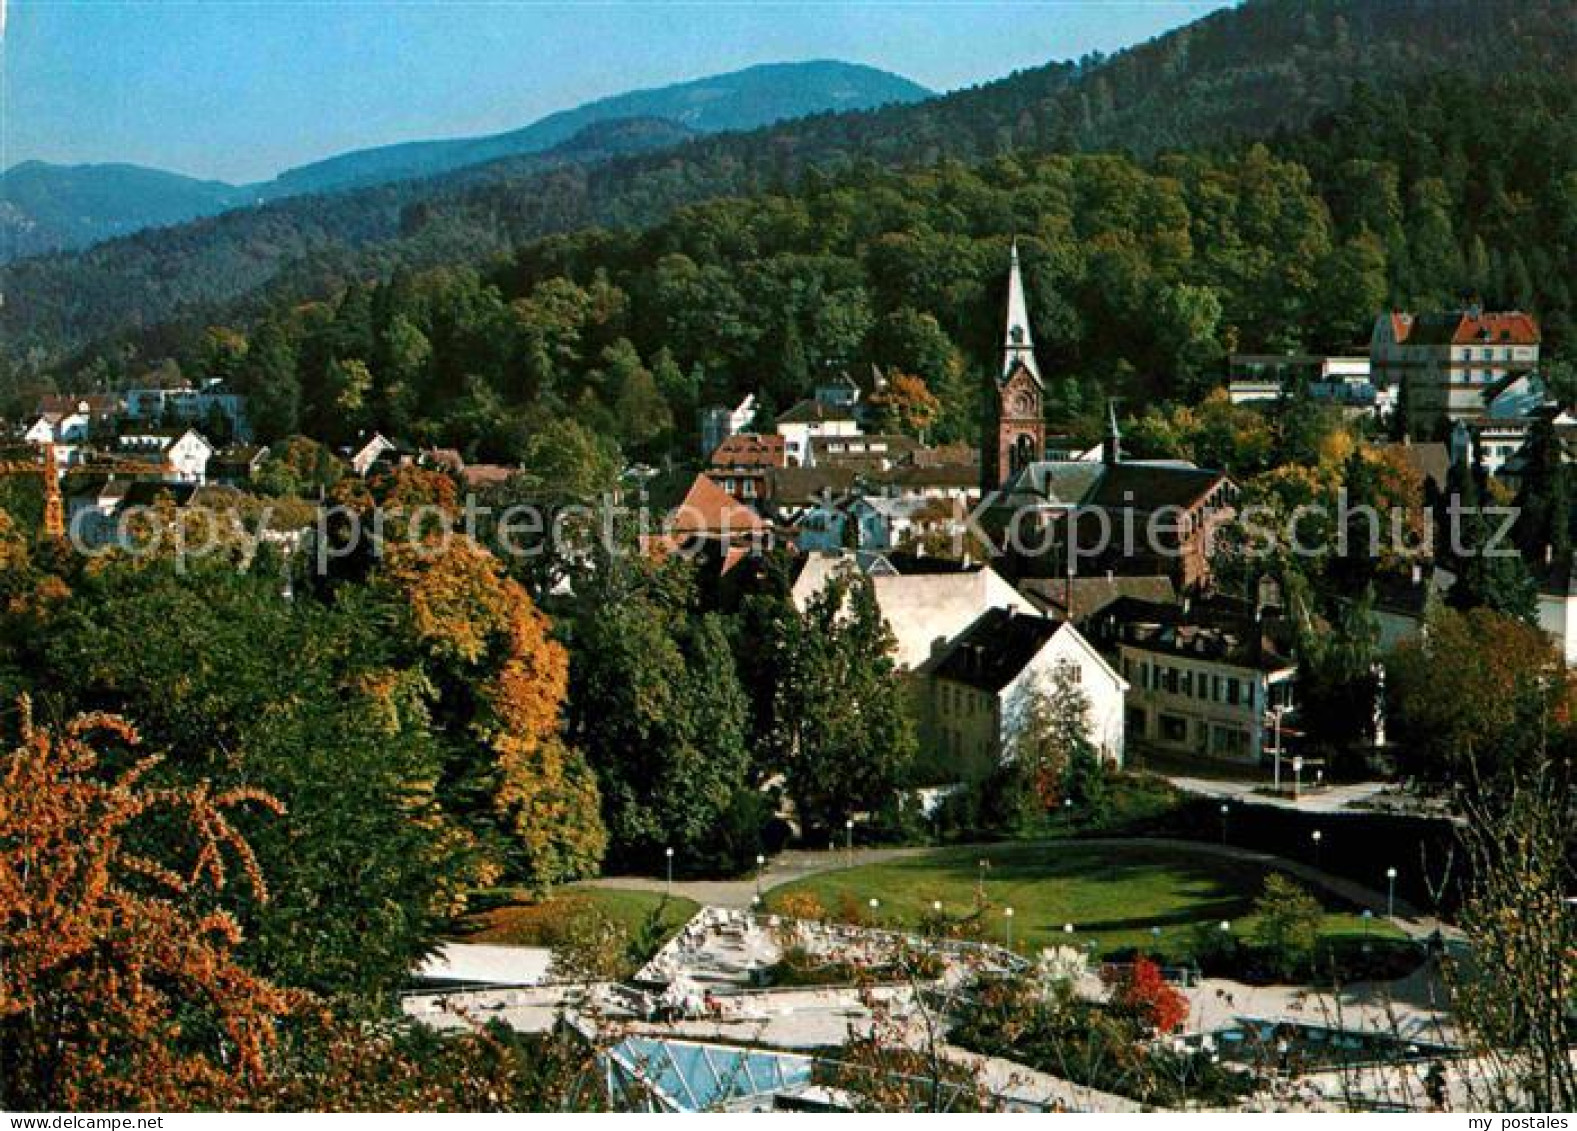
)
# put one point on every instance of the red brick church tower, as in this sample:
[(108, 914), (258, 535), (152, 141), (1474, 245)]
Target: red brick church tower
[(1016, 424)]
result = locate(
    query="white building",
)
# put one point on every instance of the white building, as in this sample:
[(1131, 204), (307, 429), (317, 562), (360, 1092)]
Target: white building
[(1202, 683), (720, 422), (187, 405), (182, 453), (1447, 361), (810, 419), (926, 611), (986, 690)]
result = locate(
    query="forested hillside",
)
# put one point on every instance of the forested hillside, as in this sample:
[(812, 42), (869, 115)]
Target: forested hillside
[(1267, 67), (1143, 276)]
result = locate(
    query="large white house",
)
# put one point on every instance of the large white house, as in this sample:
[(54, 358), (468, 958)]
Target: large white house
[(1203, 683), (927, 605), (985, 691), (809, 420)]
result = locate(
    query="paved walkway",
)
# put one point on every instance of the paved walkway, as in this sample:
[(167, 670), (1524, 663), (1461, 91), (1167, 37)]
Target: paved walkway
[(800, 864), (1323, 799)]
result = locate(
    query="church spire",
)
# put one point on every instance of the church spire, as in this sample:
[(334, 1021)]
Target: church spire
[(1017, 347)]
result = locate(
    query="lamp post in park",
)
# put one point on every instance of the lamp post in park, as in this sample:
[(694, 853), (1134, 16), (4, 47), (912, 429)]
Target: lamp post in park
[(848, 828), (1390, 893), (1275, 717), (1297, 777), (761, 866), (1316, 836), (669, 853), (1224, 810), (1007, 915)]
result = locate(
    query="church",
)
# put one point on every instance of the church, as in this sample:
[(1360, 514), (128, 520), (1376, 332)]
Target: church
[(1125, 517)]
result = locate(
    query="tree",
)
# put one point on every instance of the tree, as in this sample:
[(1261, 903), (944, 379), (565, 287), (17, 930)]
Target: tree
[(272, 385), (1287, 925), (1140, 993), (1338, 677), (498, 679), (841, 729), (340, 734), (907, 406), (1051, 747), (657, 706), (122, 989), (1459, 693)]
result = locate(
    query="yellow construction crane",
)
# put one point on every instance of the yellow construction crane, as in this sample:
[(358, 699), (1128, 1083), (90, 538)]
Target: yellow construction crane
[(44, 464)]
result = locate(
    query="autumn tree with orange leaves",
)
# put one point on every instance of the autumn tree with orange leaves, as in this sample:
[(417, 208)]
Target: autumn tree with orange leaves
[(498, 683), (119, 985)]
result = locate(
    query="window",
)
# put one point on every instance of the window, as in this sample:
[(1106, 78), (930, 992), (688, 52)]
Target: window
[(1070, 671), (1173, 729), (1232, 691)]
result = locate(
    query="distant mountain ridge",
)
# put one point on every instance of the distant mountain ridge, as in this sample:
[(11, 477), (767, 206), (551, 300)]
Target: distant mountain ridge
[(1254, 71), (46, 207), (741, 100)]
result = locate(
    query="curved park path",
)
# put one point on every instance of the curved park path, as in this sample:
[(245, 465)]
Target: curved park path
[(788, 867)]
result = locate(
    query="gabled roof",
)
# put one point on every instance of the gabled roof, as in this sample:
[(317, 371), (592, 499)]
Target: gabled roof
[(811, 411), (1144, 485), (1212, 633), (1149, 486), (803, 486), (99, 404), (1467, 328), (750, 449), (926, 610), (708, 509), (1092, 594), (996, 648)]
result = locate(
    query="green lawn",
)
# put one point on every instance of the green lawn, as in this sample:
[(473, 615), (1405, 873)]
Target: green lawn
[(1113, 895), (539, 924)]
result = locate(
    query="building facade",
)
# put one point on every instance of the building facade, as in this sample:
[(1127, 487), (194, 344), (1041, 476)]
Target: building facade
[(1446, 362)]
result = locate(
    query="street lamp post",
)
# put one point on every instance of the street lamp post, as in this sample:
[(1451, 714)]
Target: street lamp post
[(669, 853), (848, 828), (1316, 836), (1390, 893), (980, 882), (875, 906), (1275, 718), (761, 866), (1007, 914), (1224, 809), (1297, 777)]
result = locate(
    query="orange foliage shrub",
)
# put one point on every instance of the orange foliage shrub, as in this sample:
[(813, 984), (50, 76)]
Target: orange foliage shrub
[(118, 984)]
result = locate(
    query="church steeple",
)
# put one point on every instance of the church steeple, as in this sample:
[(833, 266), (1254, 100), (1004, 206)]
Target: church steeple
[(1017, 346), (1016, 429), (1112, 449)]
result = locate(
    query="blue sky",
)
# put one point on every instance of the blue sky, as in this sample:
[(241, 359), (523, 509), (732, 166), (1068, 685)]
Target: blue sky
[(240, 89)]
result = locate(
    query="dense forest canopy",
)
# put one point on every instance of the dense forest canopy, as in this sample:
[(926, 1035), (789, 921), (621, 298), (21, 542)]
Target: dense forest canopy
[(1269, 66), (1143, 276)]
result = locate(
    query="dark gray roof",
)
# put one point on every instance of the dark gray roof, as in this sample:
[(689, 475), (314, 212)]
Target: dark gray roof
[(995, 649)]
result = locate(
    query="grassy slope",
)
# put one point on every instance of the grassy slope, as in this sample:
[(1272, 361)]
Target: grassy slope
[(536, 924), (1114, 895)]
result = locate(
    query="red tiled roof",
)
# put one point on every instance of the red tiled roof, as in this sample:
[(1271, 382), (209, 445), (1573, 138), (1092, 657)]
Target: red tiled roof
[(1467, 328), (747, 449), (708, 509)]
